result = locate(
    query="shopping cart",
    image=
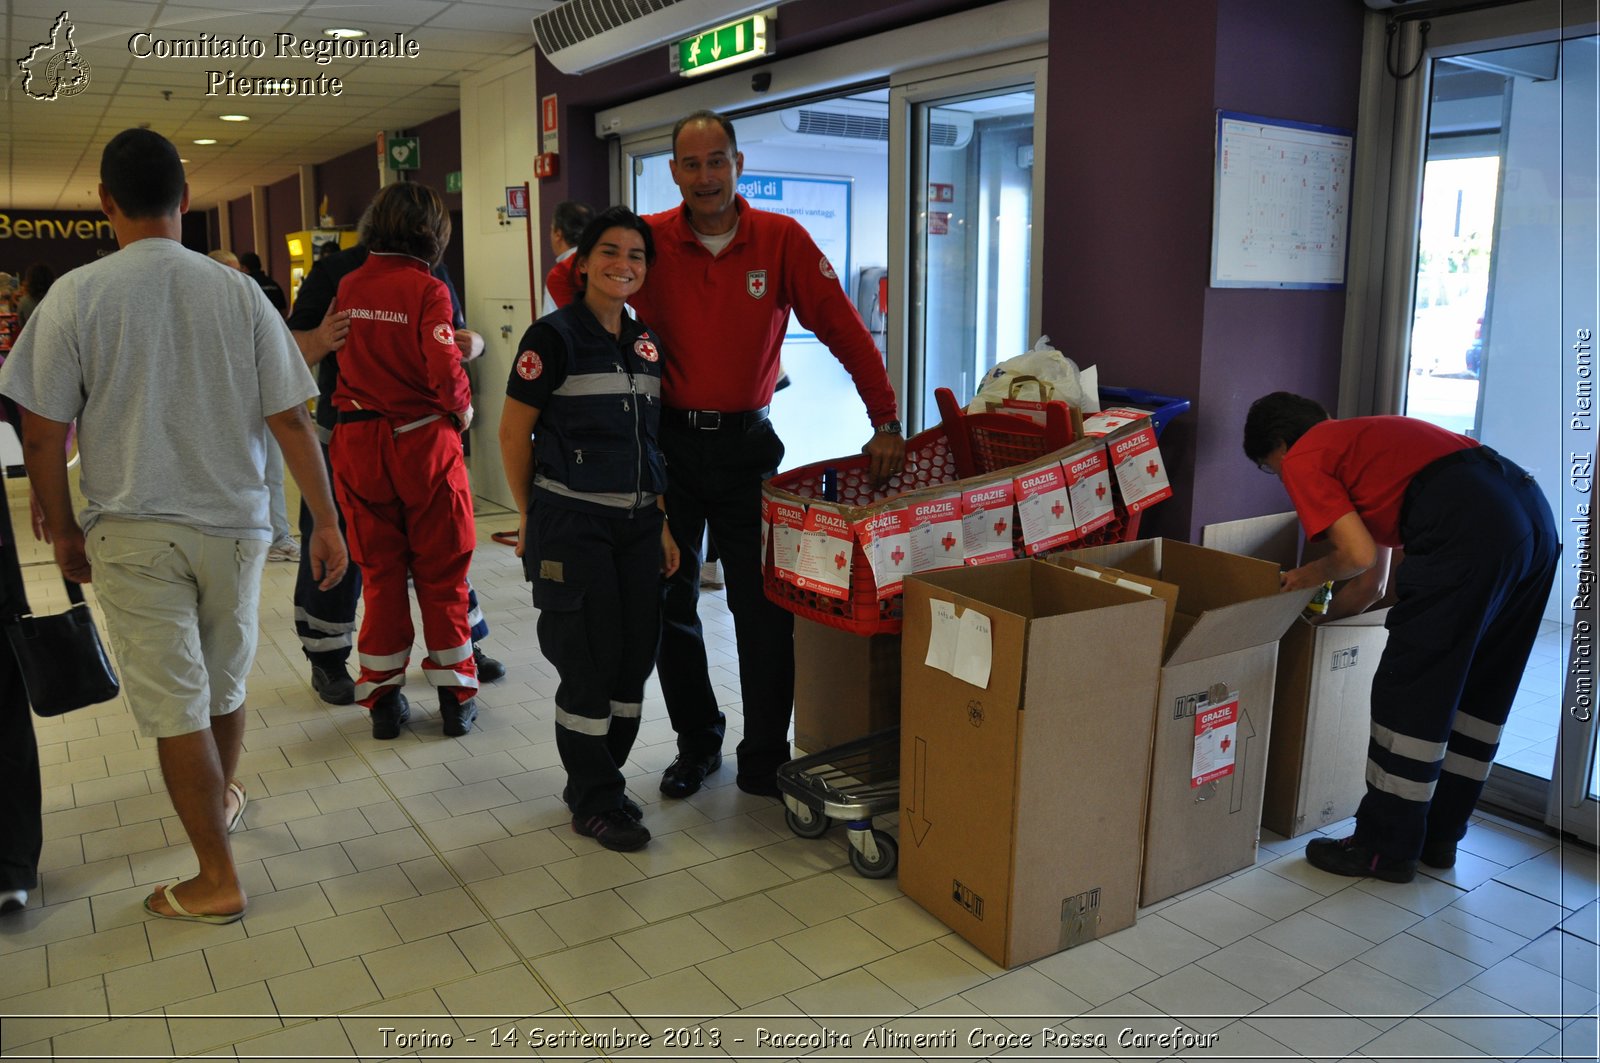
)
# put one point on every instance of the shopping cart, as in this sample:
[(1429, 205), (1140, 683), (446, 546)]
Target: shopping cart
[(855, 781), (849, 783)]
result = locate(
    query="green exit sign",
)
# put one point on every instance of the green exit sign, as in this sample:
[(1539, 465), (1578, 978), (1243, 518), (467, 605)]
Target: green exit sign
[(721, 46)]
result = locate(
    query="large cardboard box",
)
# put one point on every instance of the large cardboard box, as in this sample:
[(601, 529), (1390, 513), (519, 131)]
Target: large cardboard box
[(1322, 711), (845, 686), (1214, 708), (1022, 796)]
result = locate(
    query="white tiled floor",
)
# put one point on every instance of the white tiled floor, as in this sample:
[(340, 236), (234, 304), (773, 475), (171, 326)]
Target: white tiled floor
[(429, 883)]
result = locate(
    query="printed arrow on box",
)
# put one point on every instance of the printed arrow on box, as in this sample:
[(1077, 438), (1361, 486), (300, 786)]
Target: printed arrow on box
[(917, 808)]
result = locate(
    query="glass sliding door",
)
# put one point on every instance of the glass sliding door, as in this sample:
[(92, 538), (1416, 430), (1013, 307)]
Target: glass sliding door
[(972, 237)]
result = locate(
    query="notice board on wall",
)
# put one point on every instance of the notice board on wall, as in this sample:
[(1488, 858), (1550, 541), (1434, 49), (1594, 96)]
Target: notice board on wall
[(822, 207), (1281, 208)]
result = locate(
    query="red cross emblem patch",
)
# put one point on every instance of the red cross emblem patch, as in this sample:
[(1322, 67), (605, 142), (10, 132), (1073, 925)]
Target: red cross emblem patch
[(827, 268), (529, 365), (444, 333), (645, 349), (755, 282)]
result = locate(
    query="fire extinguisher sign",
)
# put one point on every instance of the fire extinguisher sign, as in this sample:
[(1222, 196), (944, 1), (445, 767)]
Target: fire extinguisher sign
[(549, 123)]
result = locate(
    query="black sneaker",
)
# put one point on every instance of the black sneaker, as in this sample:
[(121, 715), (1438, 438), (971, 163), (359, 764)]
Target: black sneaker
[(762, 784), (685, 774), (631, 807), (614, 828), (1436, 852), (1346, 856), (457, 715), (333, 684), (489, 669), (388, 713)]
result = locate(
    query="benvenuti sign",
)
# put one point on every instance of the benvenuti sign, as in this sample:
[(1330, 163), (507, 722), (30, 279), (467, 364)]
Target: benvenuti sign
[(54, 225)]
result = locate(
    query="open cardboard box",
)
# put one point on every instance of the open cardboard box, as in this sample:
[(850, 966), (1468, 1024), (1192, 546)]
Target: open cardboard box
[(1022, 799), (1322, 715), (1214, 708)]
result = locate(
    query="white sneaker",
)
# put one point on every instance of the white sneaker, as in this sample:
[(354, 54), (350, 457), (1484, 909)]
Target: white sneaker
[(286, 549), (13, 901)]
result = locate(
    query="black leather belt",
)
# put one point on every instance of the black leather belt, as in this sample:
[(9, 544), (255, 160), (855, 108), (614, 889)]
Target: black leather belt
[(351, 416), (715, 420)]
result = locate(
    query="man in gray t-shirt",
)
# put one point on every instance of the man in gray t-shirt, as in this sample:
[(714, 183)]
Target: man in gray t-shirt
[(175, 368)]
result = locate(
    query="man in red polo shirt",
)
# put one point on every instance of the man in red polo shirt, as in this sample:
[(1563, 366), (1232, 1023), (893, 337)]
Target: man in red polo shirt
[(1480, 558), (725, 278)]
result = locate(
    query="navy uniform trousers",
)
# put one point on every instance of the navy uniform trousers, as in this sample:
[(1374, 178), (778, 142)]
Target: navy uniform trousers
[(714, 479), (1480, 559), (597, 584), (325, 620)]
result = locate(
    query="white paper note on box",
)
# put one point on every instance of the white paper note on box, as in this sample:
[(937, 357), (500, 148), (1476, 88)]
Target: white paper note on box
[(974, 649), (942, 636)]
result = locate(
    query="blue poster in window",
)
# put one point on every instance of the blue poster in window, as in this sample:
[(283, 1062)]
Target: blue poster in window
[(821, 205)]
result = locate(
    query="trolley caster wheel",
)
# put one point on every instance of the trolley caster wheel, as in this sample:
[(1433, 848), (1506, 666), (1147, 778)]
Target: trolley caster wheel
[(884, 864), (807, 823)]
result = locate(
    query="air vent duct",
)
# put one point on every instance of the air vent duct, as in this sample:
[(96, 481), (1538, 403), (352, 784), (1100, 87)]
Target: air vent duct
[(580, 35)]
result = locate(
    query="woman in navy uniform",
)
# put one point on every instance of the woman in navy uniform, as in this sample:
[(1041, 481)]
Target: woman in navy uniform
[(578, 439)]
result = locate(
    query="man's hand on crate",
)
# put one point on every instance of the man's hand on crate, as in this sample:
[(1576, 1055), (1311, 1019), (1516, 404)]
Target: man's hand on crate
[(886, 456)]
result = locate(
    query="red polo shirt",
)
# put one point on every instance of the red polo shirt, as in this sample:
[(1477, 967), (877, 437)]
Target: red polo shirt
[(1362, 464), (722, 319)]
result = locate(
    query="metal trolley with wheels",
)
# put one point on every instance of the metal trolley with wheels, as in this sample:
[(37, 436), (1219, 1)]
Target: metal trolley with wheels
[(850, 783)]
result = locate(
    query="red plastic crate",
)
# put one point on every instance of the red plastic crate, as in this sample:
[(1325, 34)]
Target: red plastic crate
[(930, 461)]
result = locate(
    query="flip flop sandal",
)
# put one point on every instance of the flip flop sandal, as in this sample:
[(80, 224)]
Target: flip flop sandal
[(238, 814), (180, 912)]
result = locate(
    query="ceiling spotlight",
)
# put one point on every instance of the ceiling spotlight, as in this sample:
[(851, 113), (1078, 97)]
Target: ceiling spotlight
[(206, 140), (234, 117), (343, 33)]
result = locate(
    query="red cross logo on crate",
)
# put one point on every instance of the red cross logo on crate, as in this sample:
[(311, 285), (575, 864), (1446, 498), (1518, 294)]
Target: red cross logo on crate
[(1226, 743), (838, 559), (1152, 468), (1058, 509), (898, 556), (948, 542), (1000, 526), (1100, 490)]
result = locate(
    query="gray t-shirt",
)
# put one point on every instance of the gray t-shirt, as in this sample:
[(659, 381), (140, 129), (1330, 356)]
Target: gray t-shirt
[(170, 362)]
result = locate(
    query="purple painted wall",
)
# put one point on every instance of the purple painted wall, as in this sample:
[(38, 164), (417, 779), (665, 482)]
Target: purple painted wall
[(1128, 222), (283, 217), (1132, 271), (242, 230), (1301, 62)]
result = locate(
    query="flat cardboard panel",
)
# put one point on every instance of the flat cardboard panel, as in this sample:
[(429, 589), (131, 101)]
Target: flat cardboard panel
[(846, 686), (1244, 623), (1195, 835), (1316, 772), (1275, 538), (1010, 794)]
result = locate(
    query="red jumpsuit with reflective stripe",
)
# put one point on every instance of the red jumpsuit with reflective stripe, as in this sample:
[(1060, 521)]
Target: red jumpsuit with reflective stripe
[(400, 477)]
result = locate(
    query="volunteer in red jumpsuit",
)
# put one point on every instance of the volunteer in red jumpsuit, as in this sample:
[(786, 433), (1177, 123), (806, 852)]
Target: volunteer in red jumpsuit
[(403, 400)]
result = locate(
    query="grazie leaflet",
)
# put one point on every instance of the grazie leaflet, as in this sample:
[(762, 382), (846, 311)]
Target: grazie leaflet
[(886, 542), (986, 522), (1045, 509), (826, 543), (788, 524), (936, 538), (1089, 487), (1141, 473)]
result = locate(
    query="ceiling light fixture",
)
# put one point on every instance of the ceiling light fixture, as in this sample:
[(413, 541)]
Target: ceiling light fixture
[(234, 117), (343, 33), (206, 140)]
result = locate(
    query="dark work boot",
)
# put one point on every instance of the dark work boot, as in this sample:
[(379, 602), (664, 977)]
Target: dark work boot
[(457, 715), (388, 713), (1346, 856), (333, 684)]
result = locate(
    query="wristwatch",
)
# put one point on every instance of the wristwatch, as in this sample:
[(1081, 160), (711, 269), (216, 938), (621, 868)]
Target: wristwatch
[(889, 428)]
